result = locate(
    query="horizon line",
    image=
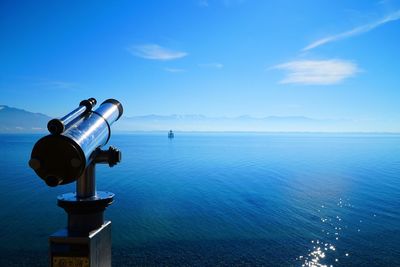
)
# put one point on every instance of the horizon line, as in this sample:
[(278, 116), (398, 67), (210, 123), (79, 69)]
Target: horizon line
[(233, 132)]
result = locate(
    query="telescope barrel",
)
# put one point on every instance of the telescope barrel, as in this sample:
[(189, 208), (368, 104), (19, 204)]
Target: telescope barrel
[(94, 131), (62, 158), (58, 126)]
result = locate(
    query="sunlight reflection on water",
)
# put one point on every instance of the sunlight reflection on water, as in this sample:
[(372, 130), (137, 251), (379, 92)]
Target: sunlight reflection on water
[(326, 252)]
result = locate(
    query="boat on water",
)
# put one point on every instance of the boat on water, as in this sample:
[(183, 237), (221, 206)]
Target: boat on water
[(170, 134)]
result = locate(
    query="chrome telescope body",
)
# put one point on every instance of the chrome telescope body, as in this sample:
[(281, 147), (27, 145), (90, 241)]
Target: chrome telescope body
[(74, 142)]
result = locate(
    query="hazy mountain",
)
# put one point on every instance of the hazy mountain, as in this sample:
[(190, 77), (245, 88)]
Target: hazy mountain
[(241, 123), (14, 120)]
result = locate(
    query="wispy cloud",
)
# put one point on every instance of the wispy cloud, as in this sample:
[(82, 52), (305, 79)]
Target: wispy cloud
[(358, 30), (226, 3), (58, 84), (317, 72), (233, 2), (212, 65), (203, 3), (155, 52), (174, 70)]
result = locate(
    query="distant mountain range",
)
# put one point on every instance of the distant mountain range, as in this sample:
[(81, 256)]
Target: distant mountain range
[(14, 120), (203, 123)]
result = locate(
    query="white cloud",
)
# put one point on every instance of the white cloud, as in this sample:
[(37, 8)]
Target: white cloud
[(358, 30), (213, 65), (317, 72), (174, 70), (155, 52)]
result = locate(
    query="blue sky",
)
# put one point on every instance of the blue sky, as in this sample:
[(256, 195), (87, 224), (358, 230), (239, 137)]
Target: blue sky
[(320, 59)]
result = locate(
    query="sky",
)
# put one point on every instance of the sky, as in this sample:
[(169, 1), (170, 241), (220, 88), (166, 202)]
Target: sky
[(319, 59)]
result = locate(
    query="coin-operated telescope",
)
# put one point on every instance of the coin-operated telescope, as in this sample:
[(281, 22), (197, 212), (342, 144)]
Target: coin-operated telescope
[(70, 153)]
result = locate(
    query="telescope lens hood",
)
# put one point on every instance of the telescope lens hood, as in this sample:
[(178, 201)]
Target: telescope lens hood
[(117, 103)]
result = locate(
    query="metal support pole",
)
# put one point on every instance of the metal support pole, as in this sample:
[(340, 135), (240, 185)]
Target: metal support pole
[(86, 184)]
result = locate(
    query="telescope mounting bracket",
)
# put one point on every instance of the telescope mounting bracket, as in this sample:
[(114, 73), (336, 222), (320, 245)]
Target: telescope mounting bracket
[(85, 208)]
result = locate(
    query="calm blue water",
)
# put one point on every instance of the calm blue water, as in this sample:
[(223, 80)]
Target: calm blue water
[(223, 199)]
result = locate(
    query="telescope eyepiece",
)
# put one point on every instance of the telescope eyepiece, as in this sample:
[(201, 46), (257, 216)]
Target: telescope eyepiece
[(55, 126), (88, 103)]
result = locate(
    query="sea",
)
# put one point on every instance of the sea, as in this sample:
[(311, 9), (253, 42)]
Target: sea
[(222, 199)]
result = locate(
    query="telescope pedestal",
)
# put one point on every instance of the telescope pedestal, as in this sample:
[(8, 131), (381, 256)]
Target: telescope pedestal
[(86, 242)]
